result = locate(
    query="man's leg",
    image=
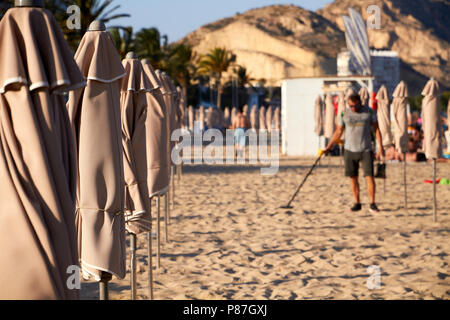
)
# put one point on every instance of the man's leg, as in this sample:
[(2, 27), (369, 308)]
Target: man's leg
[(355, 189), (371, 189)]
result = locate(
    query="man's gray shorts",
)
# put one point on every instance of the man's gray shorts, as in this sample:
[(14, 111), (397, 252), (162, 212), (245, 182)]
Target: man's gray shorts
[(353, 159)]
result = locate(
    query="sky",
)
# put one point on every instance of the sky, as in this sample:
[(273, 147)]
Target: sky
[(177, 18)]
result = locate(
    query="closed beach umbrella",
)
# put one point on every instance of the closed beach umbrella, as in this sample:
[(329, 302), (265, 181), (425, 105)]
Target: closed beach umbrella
[(269, 118), (384, 117), (348, 94), (156, 136), (329, 120), (201, 117), (135, 87), (401, 117), (209, 118), (233, 114), (262, 118), (254, 121), (277, 118), (318, 117), (38, 172), (365, 96), (431, 120), (342, 103), (227, 117), (94, 112), (401, 126), (191, 118), (432, 129), (181, 108), (245, 111)]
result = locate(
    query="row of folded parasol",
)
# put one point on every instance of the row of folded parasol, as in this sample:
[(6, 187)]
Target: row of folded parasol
[(76, 175), (259, 118)]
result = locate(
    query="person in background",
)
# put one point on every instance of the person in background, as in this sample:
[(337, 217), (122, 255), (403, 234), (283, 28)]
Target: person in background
[(240, 126), (359, 122)]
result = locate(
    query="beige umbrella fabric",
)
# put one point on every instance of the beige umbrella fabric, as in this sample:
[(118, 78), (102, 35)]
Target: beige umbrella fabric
[(329, 119), (135, 87), (227, 117), (245, 111), (431, 120), (233, 114), (191, 118), (262, 118), (181, 108), (94, 113), (318, 117), (269, 118), (37, 158), (342, 103), (365, 96), (156, 136), (277, 118), (384, 117), (401, 118), (254, 121)]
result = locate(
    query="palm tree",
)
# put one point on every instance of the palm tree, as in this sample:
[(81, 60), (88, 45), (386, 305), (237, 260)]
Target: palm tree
[(215, 63), (123, 39), (179, 65), (243, 76), (148, 45)]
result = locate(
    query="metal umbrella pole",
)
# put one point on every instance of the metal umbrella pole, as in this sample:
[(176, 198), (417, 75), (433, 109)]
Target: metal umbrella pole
[(103, 286), (172, 177), (158, 212), (434, 192), (166, 218), (133, 245), (150, 265), (405, 181)]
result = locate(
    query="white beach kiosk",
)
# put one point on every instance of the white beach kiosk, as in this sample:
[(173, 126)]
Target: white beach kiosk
[(298, 96)]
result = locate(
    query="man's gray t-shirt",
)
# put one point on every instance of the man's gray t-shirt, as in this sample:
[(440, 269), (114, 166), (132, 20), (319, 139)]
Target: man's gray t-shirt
[(358, 129)]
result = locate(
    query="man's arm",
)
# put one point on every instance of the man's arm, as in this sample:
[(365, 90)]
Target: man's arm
[(376, 128), (336, 137)]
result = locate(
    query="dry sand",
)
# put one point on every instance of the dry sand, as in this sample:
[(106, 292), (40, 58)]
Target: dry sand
[(230, 239)]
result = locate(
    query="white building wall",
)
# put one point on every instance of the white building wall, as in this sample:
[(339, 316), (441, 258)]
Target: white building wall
[(298, 98)]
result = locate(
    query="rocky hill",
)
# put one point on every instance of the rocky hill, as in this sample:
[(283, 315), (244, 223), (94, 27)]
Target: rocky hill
[(418, 30), (283, 41)]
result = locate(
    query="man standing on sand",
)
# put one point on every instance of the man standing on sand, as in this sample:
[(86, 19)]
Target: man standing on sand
[(358, 122), (240, 126)]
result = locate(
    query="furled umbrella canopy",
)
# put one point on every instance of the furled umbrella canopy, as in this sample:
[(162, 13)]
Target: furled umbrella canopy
[(318, 117), (191, 118), (133, 100), (277, 118), (181, 108), (401, 117), (94, 113), (431, 120), (269, 118), (342, 103), (38, 172), (348, 94), (201, 117), (245, 111), (156, 136), (365, 96), (329, 120), (227, 117), (262, 118), (234, 112), (384, 117), (210, 118), (254, 120)]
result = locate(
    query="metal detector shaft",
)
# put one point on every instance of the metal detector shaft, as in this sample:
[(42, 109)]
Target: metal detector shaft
[(304, 181)]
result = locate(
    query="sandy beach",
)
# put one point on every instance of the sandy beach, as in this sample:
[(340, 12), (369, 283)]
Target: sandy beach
[(229, 239)]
